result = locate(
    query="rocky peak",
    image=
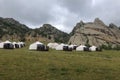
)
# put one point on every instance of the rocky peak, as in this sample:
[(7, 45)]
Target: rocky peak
[(113, 26), (11, 21), (97, 21), (78, 26), (81, 22), (95, 33), (48, 27)]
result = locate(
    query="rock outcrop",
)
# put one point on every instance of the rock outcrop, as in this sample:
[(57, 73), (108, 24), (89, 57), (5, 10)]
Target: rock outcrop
[(95, 33)]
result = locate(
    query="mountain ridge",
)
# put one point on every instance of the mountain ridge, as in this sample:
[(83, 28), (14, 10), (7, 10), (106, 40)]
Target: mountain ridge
[(10, 29), (91, 33)]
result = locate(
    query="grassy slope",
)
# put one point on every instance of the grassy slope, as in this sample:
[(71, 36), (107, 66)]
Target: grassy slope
[(22, 64)]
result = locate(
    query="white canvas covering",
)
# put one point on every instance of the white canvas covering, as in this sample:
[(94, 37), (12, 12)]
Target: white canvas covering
[(1, 45), (14, 44), (34, 45), (19, 43), (60, 47), (93, 48), (52, 45), (72, 46), (7, 41), (80, 48)]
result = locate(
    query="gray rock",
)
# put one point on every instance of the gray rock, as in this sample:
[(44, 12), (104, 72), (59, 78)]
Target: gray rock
[(95, 33)]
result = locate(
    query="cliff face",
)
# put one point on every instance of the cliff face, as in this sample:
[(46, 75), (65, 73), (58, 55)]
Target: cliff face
[(95, 33)]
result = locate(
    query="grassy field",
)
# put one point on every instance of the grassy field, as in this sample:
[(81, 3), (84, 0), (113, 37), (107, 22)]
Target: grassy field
[(22, 64)]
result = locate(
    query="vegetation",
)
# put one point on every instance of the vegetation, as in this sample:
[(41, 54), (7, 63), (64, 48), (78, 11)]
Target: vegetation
[(22, 64), (109, 47)]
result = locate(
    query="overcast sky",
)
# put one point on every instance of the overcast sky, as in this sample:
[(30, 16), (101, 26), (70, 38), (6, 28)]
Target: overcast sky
[(63, 14)]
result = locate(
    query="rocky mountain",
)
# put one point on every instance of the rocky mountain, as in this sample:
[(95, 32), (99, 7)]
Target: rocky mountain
[(50, 34), (91, 33), (11, 29), (95, 33)]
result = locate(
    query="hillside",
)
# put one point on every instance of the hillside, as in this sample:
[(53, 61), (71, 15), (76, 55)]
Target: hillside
[(11, 29), (95, 33), (52, 33)]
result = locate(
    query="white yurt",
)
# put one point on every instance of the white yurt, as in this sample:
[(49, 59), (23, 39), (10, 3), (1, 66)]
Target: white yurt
[(80, 48), (33, 46), (7, 42), (14, 43), (52, 45), (8, 45), (1, 45), (60, 47), (93, 48), (22, 43), (73, 46)]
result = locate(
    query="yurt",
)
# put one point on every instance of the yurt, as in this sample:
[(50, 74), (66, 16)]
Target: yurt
[(93, 48), (60, 47), (73, 47), (42, 48), (22, 44), (8, 45), (67, 48), (98, 49), (80, 48), (52, 45), (1, 45), (38, 46), (15, 45), (33, 46)]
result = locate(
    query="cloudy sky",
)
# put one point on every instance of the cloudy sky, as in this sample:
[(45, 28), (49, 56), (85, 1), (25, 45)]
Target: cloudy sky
[(63, 14)]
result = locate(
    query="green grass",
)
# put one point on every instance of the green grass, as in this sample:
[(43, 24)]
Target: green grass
[(22, 64)]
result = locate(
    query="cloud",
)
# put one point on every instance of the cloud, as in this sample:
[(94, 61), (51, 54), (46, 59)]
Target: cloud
[(63, 14)]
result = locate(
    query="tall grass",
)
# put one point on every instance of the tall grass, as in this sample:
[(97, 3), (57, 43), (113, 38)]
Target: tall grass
[(22, 64)]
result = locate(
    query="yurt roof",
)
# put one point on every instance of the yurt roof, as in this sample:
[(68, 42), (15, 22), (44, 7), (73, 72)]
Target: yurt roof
[(38, 42), (93, 47), (7, 41), (82, 46), (14, 42)]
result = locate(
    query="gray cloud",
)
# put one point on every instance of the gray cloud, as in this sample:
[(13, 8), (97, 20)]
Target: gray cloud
[(63, 14)]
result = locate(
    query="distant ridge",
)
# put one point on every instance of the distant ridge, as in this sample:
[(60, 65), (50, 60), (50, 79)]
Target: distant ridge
[(11, 29)]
